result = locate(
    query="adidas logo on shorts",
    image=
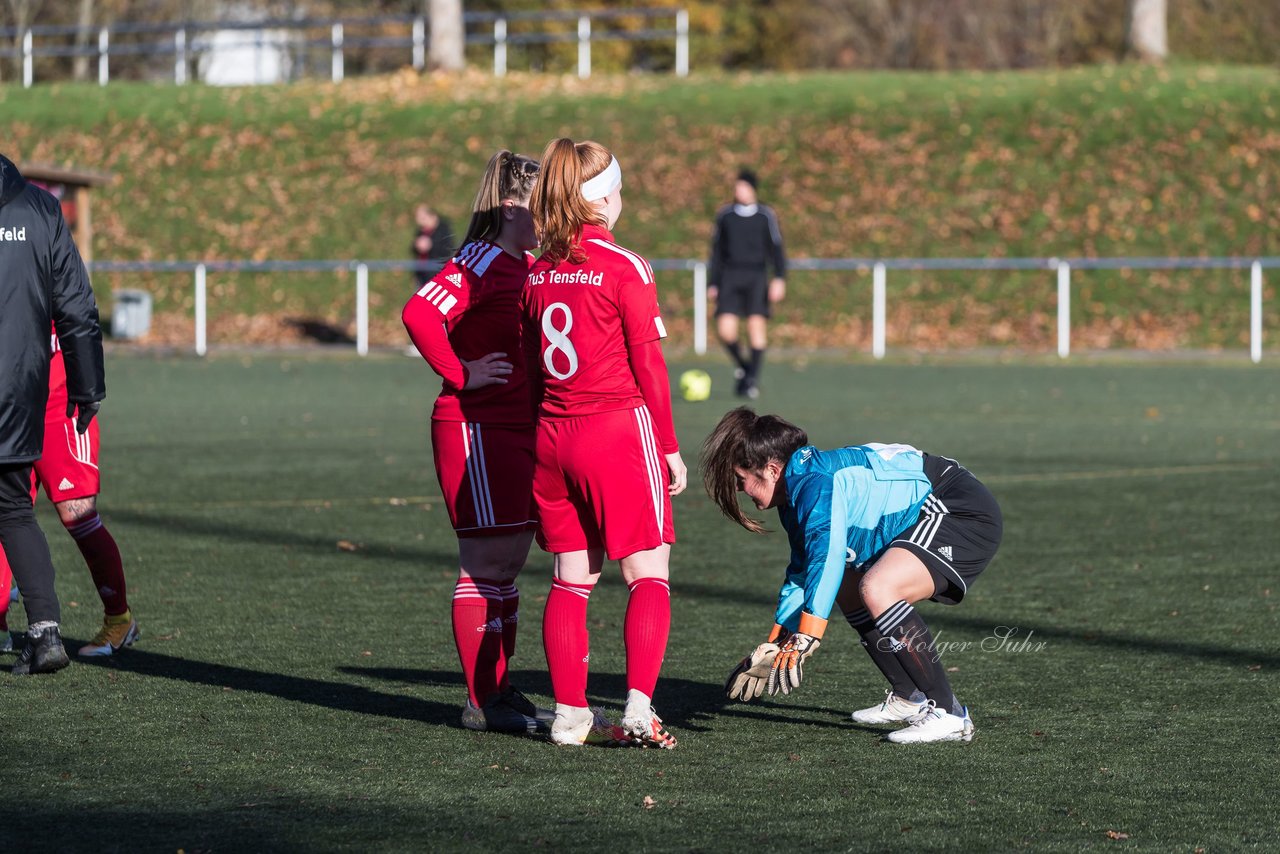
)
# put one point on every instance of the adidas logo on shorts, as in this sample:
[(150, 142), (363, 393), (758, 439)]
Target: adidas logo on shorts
[(65, 485), (945, 551)]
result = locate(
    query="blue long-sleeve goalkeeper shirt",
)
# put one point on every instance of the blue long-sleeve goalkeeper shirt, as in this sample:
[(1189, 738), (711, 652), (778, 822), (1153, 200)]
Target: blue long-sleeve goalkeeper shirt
[(843, 507)]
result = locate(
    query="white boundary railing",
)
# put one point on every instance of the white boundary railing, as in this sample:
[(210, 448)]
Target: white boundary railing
[(879, 284), (187, 40)]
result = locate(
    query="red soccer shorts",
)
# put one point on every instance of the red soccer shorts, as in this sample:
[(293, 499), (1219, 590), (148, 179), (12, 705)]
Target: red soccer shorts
[(600, 482), (486, 475), (68, 464)]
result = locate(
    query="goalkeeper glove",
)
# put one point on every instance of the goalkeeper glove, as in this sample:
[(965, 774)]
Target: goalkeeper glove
[(747, 681), (788, 664), (87, 411)]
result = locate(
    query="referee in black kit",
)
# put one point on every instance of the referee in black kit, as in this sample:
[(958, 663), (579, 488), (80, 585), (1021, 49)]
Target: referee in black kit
[(43, 286), (746, 243)]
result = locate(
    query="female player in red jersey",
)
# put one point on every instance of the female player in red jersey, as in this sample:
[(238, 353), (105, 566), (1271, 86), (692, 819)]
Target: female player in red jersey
[(465, 322), (607, 457)]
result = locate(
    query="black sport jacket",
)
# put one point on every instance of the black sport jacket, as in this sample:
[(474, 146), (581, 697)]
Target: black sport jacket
[(42, 280)]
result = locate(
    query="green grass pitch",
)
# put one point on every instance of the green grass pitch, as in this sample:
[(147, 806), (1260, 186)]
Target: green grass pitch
[(290, 694)]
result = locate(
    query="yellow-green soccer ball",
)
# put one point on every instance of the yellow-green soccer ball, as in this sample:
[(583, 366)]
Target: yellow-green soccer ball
[(695, 385)]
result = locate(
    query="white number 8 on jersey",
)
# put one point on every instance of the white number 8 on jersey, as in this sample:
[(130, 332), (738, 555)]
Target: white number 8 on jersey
[(558, 340)]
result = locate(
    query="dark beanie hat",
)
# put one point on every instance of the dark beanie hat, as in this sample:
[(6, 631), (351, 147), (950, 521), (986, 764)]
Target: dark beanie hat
[(750, 177)]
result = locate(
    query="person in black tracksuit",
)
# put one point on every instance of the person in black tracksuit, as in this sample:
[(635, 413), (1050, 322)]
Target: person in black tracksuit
[(747, 242), (42, 280)]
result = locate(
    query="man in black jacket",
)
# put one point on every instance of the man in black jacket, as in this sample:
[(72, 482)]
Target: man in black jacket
[(747, 242), (42, 281)]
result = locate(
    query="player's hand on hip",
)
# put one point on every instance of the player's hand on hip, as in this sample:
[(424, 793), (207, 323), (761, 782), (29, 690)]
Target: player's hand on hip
[(748, 679), (679, 474), (487, 370), (87, 411), (788, 665), (777, 290)]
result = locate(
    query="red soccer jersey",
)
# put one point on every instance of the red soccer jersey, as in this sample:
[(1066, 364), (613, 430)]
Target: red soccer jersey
[(468, 310), (579, 321)]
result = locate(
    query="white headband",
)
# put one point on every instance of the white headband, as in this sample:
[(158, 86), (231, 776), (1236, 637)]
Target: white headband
[(604, 183)]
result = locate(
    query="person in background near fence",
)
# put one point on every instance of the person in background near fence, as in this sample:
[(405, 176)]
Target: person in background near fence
[(875, 528), (43, 281), (745, 244), (465, 321), (68, 471), (433, 242), (608, 461)]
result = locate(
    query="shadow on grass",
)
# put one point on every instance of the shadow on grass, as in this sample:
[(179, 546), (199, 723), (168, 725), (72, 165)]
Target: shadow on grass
[(236, 821), (682, 703), (339, 696), (948, 619), (238, 533)]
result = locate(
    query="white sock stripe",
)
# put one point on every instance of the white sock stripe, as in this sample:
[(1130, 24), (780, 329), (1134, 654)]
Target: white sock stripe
[(483, 585), (84, 527), (487, 590), (486, 495), (666, 585), (893, 617), (573, 590), (646, 439), (859, 616)]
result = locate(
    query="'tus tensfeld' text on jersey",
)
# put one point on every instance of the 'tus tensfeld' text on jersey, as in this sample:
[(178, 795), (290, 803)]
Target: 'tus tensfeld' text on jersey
[(579, 320)]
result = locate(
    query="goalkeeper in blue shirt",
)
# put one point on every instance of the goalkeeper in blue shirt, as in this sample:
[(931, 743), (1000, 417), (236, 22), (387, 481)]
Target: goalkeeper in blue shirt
[(874, 528)]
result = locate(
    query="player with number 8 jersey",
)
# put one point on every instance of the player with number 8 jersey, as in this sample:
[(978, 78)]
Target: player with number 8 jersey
[(607, 459)]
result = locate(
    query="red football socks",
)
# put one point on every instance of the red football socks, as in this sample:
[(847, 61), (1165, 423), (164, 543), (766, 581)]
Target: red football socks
[(567, 642), (648, 622), (510, 621), (103, 557), (477, 632)]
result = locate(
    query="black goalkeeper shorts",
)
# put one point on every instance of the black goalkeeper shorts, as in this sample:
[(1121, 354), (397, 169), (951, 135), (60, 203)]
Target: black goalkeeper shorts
[(958, 531)]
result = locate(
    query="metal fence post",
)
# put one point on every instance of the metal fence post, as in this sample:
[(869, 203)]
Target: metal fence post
[(180, 57), (584, 47), (335, 39), (28, 60), (201, 340), (104, 49), (700, 308), (362, 309), (682, 43), (1255, 312), (419, 43), (1064, 309), (878, 275), (500, 47)]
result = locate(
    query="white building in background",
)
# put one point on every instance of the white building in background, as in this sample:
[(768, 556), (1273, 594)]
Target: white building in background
[(245, 55)]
